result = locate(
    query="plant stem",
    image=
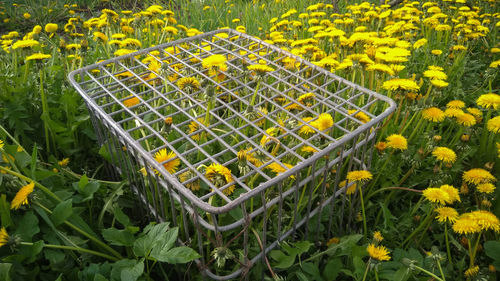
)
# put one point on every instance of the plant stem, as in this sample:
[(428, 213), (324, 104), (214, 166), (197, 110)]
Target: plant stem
[(440, 269), (78, 249), (427, 272), (45, 112), (366, 270), (365, 229), (84, 233), (447, 244), (37, 184)]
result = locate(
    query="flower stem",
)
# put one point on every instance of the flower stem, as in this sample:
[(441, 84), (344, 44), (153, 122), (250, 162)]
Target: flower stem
[(84, 233), (78, 249), (427, 272), (366, 270), (37, 184), (447, 244), (365, 229)]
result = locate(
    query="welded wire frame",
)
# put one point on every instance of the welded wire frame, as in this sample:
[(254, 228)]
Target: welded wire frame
[(132, 132)]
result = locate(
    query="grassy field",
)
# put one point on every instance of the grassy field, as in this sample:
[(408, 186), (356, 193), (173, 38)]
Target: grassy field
[(427, 205)]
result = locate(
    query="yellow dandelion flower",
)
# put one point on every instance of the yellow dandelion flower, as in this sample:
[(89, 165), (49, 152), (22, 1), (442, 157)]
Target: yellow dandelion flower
[(495, 64), (436, 195), (419, 43), (63, 162), (397, 142), (271, 132), (455, 104), (436, 52), (164, 156), (478, 176), (400, 84), (131, 101), (306, 129), (446, 214), (377, 236), (308, 149), (453, 112), (215, 62), (444, 154), (361, 116), (306, 98), (466, 224), (493, 125), (334, 240), (25, 44), (51, 27), (471, 272), (439, 83), (38, 56), (4, 237), (378, 252), (466, 120), (489, 100), (21, 197), (184, 177), (219, 176), (188, 83), (453, 194), (360, 175), (279, 169), (193, 127), (486, 188), (435, 74), (433, 114), (323, 122), (474, 111), (486, 220), (1, 144), (260, 68)]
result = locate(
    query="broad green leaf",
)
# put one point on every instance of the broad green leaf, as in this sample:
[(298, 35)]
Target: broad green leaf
[(5, 212), (179, 255), (62, 212), (5, 271), (118, 266), (402, 274), (312, 270), (492, 249), (167, 241), (132, 273), (99, 277), (332, 269), (283, 260), (120, 216), (151, 236), (359, 267), (118, 237), (27, 227)]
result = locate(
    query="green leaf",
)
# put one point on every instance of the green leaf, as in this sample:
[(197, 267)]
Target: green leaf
[(118, 237), (152, 235), (312, 270), (332, 269), (359, 267), (5, 212), (5, 271), (99, 277), (283, 260), (402, 274), (492, 249), (179, 255), (62, 212), (168, 242), (27, 226), (86, 188), (132, 273), (120, 216), (33, 162)]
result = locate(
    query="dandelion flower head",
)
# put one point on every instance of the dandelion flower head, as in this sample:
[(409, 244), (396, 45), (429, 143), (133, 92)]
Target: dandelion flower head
[(163, 155), (444, 154), (379, 253), (446, 214), (397, 142), (21, 197)]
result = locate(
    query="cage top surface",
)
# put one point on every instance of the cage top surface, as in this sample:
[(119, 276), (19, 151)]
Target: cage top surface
[(227, 115)]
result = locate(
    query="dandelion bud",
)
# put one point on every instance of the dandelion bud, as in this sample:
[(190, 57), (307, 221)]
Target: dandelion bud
[(492, 268), (416, 218), (437, 138), (489, 165), (486, 203), (221, 254), (465, 138), (464, 189), (168, 121), (381, 146), (465, 242)]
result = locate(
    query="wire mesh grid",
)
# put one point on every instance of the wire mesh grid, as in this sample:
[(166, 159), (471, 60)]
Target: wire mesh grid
[(232, 144)]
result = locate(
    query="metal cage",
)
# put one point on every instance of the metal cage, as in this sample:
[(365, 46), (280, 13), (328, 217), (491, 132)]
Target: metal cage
[(286, 171)]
